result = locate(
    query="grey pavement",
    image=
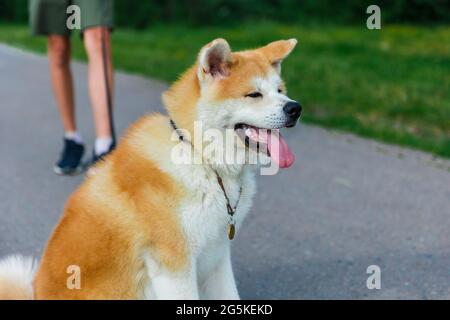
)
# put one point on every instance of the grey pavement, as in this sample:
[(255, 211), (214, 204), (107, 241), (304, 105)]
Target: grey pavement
[(314, 229)]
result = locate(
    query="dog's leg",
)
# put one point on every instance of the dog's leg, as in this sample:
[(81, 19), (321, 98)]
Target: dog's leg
[(176, 286), (220, 283)]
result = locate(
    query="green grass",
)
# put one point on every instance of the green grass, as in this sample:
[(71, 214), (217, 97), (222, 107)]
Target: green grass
[(392, 85)]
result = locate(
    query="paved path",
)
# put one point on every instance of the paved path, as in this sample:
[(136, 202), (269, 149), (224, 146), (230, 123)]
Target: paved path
[(346, 204)]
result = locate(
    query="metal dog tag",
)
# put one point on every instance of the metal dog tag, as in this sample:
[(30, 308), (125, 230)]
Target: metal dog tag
[(231, 231)]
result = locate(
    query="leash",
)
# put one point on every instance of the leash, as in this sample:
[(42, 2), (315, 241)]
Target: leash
[(230, 209), (108, 89)]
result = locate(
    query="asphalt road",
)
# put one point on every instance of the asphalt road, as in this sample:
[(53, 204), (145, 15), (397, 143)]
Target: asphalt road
[(314, 229)]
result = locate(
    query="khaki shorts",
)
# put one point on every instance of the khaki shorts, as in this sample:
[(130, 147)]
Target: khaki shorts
[(50, 16)]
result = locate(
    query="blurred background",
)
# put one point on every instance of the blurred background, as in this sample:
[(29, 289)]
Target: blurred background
[(389, 84), (346, 204), (145, 13)]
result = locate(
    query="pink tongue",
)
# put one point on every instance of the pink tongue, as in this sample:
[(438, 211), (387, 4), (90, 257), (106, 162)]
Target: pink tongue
[(278, 148)]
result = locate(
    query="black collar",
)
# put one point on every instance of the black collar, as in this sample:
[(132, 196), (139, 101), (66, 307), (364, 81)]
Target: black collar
[(231, 210), (174, 126)]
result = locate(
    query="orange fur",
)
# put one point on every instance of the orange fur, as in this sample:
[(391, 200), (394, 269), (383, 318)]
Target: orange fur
[(181, 99), (278, 50), (126, 208), (246, 65)]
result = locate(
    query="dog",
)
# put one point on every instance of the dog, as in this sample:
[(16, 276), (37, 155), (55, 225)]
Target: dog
[(143, 227)]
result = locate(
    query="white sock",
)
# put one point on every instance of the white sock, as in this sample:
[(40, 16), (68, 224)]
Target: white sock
[(74, 136), (102, 145)]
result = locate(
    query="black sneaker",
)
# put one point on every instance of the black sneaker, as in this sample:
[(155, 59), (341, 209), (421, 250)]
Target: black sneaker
[(96, 158), (70, 161)]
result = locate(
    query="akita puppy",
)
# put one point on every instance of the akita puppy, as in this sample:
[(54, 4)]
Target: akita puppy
[(145, 227)]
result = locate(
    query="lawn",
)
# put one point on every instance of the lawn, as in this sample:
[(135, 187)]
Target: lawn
[(392, 85)]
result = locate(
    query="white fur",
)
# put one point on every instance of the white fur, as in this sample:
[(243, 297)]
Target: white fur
[(204, 219), (20, 271), (266, 112)]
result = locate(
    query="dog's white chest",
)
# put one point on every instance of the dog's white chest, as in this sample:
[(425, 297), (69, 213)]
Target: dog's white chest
[(204, 219), (204, 214)]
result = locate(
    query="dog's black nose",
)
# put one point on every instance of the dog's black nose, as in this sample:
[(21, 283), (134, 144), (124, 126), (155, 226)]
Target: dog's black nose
[(293, 109)]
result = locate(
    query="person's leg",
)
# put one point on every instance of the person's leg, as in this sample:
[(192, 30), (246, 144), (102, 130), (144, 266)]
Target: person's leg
[(97, 86), (61, 75), (48, 18)]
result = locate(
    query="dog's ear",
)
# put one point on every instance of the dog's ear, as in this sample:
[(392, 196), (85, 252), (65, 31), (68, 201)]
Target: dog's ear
[(214, 60), (277, 51)]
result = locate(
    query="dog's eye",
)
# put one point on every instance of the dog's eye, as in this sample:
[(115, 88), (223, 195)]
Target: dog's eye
[(254, 95), (280, 90)]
